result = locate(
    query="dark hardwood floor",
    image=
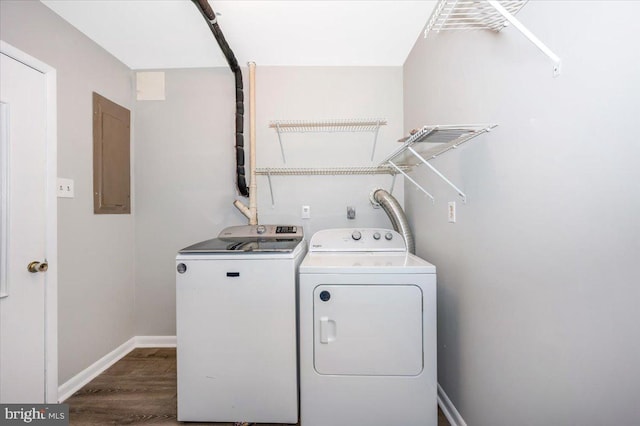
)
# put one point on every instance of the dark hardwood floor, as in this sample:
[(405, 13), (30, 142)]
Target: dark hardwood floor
[(138, 389)]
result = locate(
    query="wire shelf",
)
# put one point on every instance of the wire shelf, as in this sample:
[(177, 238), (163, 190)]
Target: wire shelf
[(470, 15), (485, 15), (432, 141), (428, 143), (386, 169), (334, 125), (370, 125), (331, 171)]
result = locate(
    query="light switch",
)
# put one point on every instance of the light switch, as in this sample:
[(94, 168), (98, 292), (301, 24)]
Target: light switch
[(65, 188)]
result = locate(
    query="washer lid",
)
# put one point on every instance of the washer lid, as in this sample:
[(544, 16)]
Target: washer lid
[(365, 263), (221, 245), (251, 239)]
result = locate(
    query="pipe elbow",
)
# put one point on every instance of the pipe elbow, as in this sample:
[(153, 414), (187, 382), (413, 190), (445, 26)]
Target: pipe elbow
[(243, 209), (396, 215)]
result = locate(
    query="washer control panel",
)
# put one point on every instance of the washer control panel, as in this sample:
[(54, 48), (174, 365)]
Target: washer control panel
[(357, 239), (262, 232)]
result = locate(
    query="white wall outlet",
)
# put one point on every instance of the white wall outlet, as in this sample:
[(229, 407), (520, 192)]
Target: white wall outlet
[(451, 211), (65, 188), (306, 212)]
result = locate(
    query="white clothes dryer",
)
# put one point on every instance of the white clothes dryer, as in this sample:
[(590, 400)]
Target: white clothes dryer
[(367, 324)]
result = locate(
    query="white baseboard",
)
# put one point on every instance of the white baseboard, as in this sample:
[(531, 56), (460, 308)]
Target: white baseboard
[(75, 383), (155, 341), (448, 409), (85, 376)]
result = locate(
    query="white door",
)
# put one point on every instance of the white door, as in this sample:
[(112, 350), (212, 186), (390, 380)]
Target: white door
[(367, 330), (23, 131)]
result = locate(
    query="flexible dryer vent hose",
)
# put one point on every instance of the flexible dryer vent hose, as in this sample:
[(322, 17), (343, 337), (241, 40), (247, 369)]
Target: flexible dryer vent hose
[(210, 17), (392, 208)]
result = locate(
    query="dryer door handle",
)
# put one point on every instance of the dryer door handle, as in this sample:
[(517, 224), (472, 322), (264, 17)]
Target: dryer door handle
[(327, 330)]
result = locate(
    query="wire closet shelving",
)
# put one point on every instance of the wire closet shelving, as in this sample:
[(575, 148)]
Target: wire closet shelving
[(420, 147), (329, 171), (428, 143), (328, 126), (484, 14), (351, 125)]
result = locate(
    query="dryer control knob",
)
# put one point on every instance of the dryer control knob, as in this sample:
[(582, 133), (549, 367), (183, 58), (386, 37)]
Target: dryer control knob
[(376, 235), (356, 235), (388, 236), (261, 229)]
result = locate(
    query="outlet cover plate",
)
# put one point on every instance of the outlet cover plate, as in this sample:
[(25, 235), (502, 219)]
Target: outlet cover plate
[(65, 188), (306, 212), (451, 209)]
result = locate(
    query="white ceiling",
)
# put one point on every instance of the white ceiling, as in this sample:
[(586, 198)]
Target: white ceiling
[(156, 34)]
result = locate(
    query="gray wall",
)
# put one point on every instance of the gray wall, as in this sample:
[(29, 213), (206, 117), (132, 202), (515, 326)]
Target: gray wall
[(95, 252), (538, 286), (183, 187), (185, 163)]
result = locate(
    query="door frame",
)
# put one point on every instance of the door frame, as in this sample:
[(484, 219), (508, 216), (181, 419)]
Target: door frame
[(51, 220)]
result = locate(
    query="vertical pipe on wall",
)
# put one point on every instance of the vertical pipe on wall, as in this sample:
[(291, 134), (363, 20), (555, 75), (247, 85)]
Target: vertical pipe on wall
[(210, 17), (253, 207)]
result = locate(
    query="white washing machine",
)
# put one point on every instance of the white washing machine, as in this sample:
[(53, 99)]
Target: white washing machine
[(367, 324), (236, 326)]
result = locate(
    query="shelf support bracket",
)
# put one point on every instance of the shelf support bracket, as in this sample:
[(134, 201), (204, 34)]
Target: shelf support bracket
[(443, 177), (529, 35), (280, 140), (433, 200), (375, 139), (393, 183), (273, 202)]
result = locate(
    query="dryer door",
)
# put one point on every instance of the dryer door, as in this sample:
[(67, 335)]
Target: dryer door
[(372, 330)]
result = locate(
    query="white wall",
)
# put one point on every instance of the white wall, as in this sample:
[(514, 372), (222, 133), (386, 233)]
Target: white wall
[(317, 93), (95, 252), (538, 285), (185, 181)]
